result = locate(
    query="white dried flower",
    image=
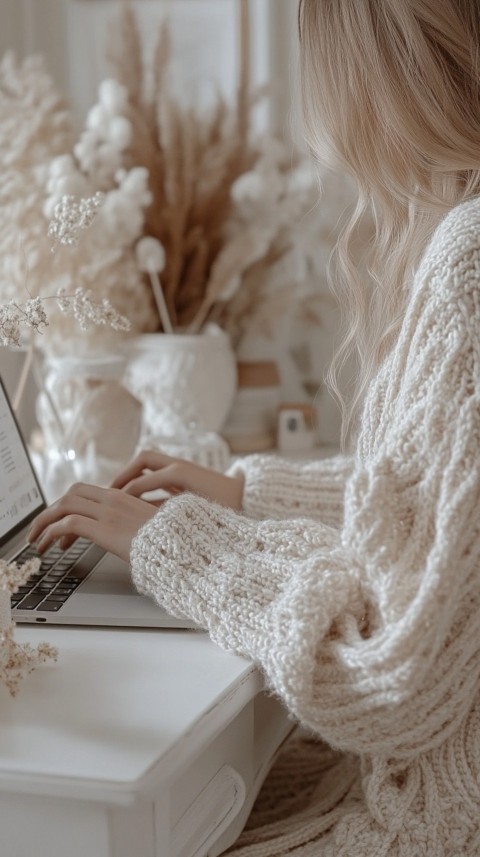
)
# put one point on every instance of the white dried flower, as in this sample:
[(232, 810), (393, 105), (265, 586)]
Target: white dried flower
[(123, 212), (68, 184), (35, 315), (121, 132), (303, 179), (97, 118), (13, 316), (88, 312), (113, 96), (34, 130), (71, 217), (150, 255), (113, 318), (17, 660), (61, 165), (63, 300), (12, 576), (250, 187), (10, 318)]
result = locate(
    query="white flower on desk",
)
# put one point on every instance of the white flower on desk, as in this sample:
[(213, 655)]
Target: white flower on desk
[(17, 660)]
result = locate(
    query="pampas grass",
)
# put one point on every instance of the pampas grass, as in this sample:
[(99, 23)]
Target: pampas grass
[(192, 160), (236, 215)]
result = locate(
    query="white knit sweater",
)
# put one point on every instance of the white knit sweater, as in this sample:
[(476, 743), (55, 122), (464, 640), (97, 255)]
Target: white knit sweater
[(355, 585)]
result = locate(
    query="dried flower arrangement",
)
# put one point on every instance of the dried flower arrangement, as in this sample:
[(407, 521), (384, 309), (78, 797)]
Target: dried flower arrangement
[(71, 219), (234, 217), (34, 128), (200, 220), (192, 160), (35, 189), (282, 191)]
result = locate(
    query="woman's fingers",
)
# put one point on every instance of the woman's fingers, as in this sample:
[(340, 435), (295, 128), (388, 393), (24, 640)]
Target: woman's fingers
[(169, 478), (66, 542), (148, 459), (106, 516), (81, 499), (180, 475), (79, 525)]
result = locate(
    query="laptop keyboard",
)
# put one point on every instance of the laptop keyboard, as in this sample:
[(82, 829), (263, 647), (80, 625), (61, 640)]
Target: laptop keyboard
[(59, 575)]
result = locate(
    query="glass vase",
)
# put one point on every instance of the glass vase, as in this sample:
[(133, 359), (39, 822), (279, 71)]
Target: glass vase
[(90, 422)]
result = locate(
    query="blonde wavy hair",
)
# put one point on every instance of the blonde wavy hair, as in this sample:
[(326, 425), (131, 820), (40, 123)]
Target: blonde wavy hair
[(391, 94)]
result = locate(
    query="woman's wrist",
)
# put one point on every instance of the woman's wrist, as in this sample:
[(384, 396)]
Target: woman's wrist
[(237, 492)]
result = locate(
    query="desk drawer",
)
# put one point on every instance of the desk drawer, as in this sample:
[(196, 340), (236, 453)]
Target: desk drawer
[(211, 800)]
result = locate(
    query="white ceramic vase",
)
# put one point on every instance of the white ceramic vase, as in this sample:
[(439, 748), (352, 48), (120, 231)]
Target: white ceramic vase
[(183, 381)]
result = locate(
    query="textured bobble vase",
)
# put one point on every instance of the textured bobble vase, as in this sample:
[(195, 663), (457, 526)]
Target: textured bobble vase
[(182, 381)]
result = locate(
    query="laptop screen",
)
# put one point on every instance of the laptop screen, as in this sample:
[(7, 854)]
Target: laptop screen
[(20, 494)]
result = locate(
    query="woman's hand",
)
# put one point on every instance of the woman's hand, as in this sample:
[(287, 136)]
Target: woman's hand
[(151, 470), (106, 516)]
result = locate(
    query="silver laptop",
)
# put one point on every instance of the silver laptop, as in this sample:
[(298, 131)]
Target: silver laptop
[(81, 586)]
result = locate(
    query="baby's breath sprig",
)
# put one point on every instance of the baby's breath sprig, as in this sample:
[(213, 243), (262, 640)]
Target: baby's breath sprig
[(81, 305), (19, 659), (89, 312), (12, 576), (71, 217), (16, 659), (13, 315)]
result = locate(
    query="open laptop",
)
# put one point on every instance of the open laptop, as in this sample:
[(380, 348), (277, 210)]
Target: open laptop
[(84, 585)]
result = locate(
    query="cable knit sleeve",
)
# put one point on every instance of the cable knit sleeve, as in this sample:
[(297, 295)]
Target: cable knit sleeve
[(277, 488), (368, 633)]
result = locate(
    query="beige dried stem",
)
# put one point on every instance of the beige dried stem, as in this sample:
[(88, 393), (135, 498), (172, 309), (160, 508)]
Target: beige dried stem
[(161, 62), (182, 150), (244, 84), (192, 161), (124, 53), (254, 305), (235, 258)]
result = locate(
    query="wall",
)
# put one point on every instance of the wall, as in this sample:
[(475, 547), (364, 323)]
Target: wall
[(30, 26), (73, 34)]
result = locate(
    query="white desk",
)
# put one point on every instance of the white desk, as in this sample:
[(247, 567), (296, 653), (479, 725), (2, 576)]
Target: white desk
[(134, 744)]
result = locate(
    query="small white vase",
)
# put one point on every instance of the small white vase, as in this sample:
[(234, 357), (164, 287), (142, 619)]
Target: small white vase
[(182, 380)]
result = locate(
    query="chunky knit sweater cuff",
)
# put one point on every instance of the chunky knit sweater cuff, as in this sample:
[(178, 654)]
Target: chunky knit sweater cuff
[(278, 488), (227, 572), (192, 556)]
